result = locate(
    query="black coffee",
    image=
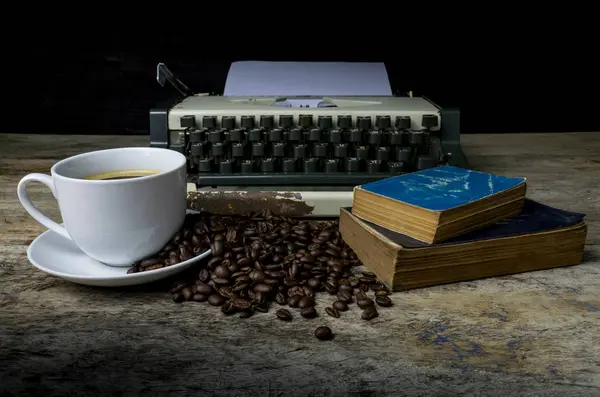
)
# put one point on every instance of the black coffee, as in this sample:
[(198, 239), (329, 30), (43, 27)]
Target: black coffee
[(121, 174)]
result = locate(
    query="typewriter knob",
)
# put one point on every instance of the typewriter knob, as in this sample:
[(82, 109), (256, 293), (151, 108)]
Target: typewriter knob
[(247, 122), (325, 122), (403, 122), (286, 121), (344, 122), (363, 122), (267, 121), (187, 121), (429, 121), (209, 121), (305, 120), (383, 122)]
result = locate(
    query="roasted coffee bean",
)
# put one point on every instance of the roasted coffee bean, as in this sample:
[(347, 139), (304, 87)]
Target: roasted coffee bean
[(369, 313), (281, 298), (309, 312), (228, 308), (346, 287), (261, 308), (323, 333), (340, 306), (284, 314), (178, 297), (199, 297), (360, 295), (365, 302), (294, 300), (247, 313), (221, 281), (204, 289), (216, 300), (332, 312), (305, 302), (187, 293), (383, 301), (382, 292), (344, 296), (241, 304), (204, 275), (314, 283), (221, 271)]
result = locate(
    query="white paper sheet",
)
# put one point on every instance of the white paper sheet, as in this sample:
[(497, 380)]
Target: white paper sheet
[(262, 78)]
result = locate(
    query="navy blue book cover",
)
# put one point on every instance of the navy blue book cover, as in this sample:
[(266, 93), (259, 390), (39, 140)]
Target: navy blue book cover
[(441, 188), (534, 218)]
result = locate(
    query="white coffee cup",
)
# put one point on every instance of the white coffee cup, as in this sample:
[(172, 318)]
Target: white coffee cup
[(117, 222)]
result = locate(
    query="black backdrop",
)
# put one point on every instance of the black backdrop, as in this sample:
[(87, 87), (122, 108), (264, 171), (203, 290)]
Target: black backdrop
[(102, 89)]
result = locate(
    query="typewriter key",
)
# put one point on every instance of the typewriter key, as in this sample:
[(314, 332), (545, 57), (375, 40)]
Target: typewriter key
[(255, 135), (344, 122), (218, 149), (289, 165), (325, 122), (396, 167), (396, 138), (226, 166), (286, 121), (267, 165), (331, 165), (228, 122), (355, 135), (276, 135), (209, 122), (258, 149), (305, 120), (237, 150), (247, 122), (383, 153), (340, 150), (296, 134), (362, 152), (267, 122), (205, 165), (403, 154), (247, 166), (311, 165), (300, 151), (363, 122), (279, 149), (197, 149), (320, 150), (403, 122), (236, 135), (335, 136), (187, 121), (373, 166), (215, 136), (352, 165), (196, 136), (383, 122), (429, 121), (375, 138), (416, 137), (314, 135)]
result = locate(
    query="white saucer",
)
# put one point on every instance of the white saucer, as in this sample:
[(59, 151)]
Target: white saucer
[(55, 255)]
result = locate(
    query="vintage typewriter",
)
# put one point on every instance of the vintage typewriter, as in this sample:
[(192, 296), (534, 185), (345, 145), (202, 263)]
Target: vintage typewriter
[(316, 145)]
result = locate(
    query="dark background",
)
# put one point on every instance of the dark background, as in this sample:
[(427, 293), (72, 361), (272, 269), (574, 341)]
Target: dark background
[(107, 86)]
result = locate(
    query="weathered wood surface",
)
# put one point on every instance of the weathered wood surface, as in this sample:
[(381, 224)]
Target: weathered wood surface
[(528, 334)]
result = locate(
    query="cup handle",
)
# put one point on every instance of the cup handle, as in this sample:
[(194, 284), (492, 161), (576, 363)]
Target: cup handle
[(32, 209)]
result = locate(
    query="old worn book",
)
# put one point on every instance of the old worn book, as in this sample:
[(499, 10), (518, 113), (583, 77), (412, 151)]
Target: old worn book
[(540, 237), (439, 203)]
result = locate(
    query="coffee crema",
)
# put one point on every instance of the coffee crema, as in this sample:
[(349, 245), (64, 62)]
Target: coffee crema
[(121, 174)]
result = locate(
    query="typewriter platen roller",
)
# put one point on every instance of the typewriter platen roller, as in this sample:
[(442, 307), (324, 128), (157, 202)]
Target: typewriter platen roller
[(302, 141)]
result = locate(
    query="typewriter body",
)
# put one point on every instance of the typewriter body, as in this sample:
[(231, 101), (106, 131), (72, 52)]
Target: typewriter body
[(318, 146)]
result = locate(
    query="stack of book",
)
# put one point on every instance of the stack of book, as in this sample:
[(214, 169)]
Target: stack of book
[(448, 224)]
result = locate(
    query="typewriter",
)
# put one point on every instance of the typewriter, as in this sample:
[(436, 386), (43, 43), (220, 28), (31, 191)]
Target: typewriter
[(316, 145)]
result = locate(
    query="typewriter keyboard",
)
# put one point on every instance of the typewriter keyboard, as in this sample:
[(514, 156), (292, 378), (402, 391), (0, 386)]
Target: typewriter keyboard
[(256, 151)]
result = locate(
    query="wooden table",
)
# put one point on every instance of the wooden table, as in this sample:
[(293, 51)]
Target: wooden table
[(508, 336)]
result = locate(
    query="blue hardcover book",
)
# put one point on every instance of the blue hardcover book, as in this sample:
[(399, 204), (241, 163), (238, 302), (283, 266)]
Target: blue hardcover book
[(439, 203)]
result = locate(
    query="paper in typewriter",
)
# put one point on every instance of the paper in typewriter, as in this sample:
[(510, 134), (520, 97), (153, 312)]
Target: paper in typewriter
[(262, 78)]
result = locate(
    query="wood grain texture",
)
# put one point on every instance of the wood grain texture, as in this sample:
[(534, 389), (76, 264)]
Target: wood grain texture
[(527, 334)]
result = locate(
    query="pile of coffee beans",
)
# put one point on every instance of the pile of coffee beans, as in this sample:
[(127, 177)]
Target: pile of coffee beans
[(264, 259), (186, 244)]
